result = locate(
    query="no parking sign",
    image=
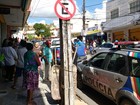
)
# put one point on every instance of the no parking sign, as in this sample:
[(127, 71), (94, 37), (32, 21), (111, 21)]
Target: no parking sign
[(65, 9)]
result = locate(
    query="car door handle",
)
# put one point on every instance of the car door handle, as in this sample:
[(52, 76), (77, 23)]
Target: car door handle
[(95, 72), (118, 80)]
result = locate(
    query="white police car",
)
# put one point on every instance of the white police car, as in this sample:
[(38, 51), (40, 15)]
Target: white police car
[(114, 73)]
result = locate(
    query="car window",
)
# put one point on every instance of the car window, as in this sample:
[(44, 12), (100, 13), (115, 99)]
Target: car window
[(117, 63), (103, 45), (98, 60), (135, 66), (55, 42), (107, 45)]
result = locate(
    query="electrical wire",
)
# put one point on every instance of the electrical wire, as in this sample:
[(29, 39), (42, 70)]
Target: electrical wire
[(35, 7), (94, 12), (93, 5)]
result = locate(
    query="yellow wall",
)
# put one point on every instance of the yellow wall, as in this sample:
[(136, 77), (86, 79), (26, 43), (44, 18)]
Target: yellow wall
[(2, 19), (118, 35), (134, 33)]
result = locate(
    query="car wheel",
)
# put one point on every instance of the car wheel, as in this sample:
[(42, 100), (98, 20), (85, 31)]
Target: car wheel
[(80, 84), (127, 102)]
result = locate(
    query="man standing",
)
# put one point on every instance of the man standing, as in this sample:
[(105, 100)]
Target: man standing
[(47, 55), (81, 53)]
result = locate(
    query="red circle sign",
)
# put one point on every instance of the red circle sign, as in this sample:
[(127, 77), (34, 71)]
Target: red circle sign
[(65, 10)]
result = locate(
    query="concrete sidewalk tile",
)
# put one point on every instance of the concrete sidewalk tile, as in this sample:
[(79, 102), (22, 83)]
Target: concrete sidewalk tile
[(18, 96), (80, 102)]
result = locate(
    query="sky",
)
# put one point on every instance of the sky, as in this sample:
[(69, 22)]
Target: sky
[(42, 11)]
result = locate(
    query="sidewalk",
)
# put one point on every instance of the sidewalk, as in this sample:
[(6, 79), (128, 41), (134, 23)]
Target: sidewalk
[(17, 96)]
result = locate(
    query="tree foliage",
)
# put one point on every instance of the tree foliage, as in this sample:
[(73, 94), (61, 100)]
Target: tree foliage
[(30, 36), (41, 29)]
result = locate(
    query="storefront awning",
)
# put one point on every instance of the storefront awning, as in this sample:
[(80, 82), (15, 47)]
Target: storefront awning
[(93, 32), (120, 22)]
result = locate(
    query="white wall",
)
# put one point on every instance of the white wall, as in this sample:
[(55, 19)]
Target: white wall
[(77, 25), (122, 5)]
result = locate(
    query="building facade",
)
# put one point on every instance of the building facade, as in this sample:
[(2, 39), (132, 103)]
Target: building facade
[(123, 20), (13, 16)]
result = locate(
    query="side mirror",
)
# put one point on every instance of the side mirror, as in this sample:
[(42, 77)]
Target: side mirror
[(85, 62)]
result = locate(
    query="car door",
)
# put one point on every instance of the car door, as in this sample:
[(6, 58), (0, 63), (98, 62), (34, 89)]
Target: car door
[(90, 71), (100, 76), (112, 77)]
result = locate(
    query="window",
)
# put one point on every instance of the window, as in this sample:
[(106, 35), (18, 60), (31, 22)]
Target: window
[(55, 42), (135, 66), (135, 6), (98, 60), (107, 45), (117, 63), (115, 13)]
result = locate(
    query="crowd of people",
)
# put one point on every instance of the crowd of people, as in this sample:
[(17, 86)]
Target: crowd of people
[(23, 59)]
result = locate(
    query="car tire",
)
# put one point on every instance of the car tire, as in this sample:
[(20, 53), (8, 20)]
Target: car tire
[(80, 84), (127, 102)]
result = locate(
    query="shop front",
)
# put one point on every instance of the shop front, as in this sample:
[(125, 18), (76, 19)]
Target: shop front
[(123, 28), (134, 34), (118, 35)]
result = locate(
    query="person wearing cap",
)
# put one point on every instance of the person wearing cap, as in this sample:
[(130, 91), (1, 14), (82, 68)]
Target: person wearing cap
[(48, 57)]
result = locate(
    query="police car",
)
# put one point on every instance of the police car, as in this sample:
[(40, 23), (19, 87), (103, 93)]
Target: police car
[(114, 73)]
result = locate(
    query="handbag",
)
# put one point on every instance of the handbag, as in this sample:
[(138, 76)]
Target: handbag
[(2, 62)]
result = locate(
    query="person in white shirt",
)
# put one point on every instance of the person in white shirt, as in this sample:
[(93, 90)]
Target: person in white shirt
[(20, 62), (10, 60)]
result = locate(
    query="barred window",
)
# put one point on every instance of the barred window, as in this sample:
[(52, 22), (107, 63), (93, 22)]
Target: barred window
[(135, 6), (115, 13)]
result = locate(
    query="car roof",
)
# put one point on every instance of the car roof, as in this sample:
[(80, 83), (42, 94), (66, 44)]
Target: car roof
[(120, 51)]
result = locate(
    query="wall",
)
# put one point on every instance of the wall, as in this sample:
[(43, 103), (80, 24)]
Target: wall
[(4, 31), (123, 23), (122, 5)]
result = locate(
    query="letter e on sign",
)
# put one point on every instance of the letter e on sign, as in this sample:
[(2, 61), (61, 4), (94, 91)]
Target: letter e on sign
[(65, 10)]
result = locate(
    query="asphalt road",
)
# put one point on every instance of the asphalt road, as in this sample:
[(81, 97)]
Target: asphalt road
[(92, 97)]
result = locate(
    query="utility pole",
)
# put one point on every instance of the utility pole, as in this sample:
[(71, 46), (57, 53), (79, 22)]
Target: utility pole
[(66, 75), (66, 68), (84, 16)]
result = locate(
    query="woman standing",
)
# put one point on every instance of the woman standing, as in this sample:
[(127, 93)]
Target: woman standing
[(21, 50), (31, 63), (10, 60)]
